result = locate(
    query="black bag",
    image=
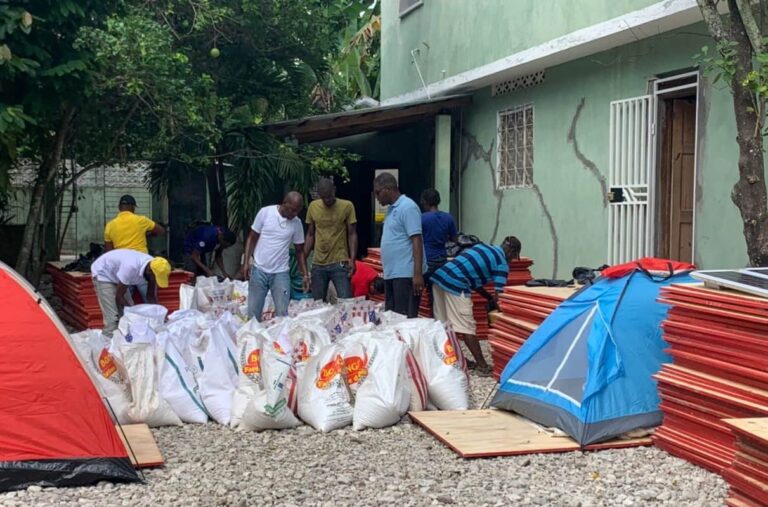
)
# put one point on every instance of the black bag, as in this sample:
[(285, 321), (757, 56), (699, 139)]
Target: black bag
[(587, 276), (545, 282), (463, 241)]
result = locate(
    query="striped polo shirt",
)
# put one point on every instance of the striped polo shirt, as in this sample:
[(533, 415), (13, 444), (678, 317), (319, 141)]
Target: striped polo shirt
[(473, 268)]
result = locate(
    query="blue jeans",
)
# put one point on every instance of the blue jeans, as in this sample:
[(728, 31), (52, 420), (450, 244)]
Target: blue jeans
[(261, 283), (338, 273)]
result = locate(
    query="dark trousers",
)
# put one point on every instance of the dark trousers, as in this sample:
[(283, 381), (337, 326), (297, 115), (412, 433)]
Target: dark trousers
[(399, 297), (192, 267), (338, 273)]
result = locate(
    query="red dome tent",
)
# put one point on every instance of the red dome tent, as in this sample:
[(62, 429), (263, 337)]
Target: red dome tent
[(54, 427)]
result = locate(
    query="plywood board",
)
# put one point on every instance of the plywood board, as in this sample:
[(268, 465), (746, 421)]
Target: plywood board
[(756, 428), (489, 433), (552, 293), (143, 449)]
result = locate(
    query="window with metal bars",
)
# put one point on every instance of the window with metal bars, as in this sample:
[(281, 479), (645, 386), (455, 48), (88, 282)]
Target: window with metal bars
[(408, 6), (514, 162)]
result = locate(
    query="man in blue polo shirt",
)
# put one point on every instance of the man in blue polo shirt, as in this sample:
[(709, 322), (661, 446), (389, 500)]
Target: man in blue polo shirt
[(455, 281), (402, 248), (203, 240)]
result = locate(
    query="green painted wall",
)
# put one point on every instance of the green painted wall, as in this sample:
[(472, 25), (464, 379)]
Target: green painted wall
[(453, 36), (565, 189)]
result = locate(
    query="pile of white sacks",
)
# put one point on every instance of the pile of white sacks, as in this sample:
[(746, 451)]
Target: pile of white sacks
[(328, 366)]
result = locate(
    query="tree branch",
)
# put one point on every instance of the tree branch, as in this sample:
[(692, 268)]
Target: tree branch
[(750, 25), (713, 20)]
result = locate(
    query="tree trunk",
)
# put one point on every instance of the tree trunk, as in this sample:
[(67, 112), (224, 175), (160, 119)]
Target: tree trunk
[(749, 193), (46, 173)]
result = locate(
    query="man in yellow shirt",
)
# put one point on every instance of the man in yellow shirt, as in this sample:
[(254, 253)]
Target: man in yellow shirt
[(332, 233), (129, 230)]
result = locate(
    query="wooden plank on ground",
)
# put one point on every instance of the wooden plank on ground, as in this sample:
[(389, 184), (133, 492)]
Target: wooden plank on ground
[(143, 445), (489, 433), (755, 428)]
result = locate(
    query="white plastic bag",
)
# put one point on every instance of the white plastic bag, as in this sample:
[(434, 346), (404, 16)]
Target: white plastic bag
[(153, 315), (178, 385), (270, 407), (383, 395), (439, 356), (112, 383), (324, 397), (216, 371), (250, 342), (147, 405)]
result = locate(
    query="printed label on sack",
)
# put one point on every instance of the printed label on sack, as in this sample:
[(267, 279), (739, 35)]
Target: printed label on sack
[(357, 368), (329, 372), (450, 353), (252, 365), (302, 352), (107, 364)]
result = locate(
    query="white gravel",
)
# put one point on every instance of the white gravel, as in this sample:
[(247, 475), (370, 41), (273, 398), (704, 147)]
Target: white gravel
[(214, 465)]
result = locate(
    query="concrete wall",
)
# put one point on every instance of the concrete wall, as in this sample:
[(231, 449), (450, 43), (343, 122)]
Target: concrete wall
[(562, 220), (453, 36)]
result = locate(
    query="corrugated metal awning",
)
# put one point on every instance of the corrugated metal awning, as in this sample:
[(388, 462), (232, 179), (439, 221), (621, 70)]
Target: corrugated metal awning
[(333, 126)]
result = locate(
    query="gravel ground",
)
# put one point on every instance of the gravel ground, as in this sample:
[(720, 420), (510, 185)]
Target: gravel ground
[(213, 465)]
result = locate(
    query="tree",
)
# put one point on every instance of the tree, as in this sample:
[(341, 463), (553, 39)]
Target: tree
[(742, 60)]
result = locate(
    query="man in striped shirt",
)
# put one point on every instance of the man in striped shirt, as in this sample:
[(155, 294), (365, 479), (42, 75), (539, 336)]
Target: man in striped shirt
[(455, 281)]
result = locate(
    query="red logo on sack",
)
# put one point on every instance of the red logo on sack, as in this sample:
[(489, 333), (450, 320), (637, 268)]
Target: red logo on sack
[(107, 364), (357, 368), (450, 353), (253, 365), (329, 372)]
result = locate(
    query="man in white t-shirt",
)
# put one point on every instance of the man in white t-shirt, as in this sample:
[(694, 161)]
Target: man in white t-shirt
[(117, 270), (269, 241)]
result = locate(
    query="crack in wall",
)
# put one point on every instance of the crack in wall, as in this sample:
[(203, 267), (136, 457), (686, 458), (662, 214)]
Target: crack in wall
[(587, 163), (552, 230), (474, 150)]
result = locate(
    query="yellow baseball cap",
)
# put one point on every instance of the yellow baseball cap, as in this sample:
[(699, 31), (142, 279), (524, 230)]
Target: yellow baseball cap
[(162, 270)]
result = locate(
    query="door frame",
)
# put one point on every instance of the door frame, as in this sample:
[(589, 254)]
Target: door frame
[(658, 91)]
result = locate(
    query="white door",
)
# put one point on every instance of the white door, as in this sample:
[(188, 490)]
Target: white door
[(630, 216)]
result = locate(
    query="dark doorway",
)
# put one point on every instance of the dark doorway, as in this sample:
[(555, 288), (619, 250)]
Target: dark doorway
[(677, 178), (187, 202)]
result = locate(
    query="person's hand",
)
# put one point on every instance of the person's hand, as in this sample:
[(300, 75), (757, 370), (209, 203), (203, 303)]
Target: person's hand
[(352, 268), (418, 284), (244, 272), (305, 283)]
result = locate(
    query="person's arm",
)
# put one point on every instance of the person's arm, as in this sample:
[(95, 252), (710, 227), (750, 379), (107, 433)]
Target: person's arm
[(157, 230), (199, 262), (453, 233), (309, 241), (108, 245), (352, 241), (301, 260), (152, 291), (418, 260), (250, 245), (220, 262), (120, 298)]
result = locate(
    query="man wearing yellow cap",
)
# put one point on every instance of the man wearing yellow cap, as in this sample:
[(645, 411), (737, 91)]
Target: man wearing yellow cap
[(115, 271)]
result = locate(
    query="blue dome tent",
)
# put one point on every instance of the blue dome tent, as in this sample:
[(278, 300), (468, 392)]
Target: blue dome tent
[(588, 368)]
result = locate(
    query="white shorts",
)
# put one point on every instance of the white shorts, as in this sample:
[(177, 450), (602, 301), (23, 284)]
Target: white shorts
[(454, 309)]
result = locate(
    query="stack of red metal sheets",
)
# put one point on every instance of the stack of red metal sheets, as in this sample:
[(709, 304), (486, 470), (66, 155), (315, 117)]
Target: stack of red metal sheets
[(718, 340), (522, 309), (79, 305), (748, 474), (519, 274)]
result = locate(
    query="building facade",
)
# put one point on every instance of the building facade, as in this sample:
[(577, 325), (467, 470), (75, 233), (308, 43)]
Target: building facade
[(592, 135)]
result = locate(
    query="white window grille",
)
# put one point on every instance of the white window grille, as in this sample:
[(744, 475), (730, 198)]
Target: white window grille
[(408, 6), (514, 162), (518, 83)]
